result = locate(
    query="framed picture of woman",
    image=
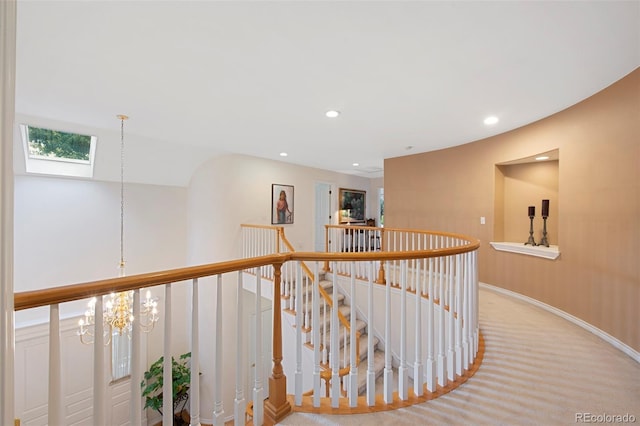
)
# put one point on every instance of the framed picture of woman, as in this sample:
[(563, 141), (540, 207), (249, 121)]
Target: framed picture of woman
[(281, 204)]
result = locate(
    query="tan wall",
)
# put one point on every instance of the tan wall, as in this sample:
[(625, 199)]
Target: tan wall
[(594, 216)]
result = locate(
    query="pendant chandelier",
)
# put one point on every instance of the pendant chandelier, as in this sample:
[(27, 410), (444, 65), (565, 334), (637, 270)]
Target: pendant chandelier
[(118, 307)]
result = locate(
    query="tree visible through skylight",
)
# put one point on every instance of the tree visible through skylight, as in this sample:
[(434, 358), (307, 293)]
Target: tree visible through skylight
[(53, 144)]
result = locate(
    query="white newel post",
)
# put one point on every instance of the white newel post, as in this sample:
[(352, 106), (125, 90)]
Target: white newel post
[(135, 411), (194, 408), (239, 402), (167, 366), (7, 117), (55, 403)]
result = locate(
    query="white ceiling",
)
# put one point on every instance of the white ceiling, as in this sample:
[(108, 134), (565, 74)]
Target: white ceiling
[(206, 78)]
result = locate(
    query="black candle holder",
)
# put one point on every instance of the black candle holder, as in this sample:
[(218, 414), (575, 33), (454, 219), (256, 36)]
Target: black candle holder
[(544, 241), (531, 240)]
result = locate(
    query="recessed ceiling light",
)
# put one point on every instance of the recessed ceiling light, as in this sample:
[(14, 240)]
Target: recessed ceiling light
[(542, 157), (356, 164), (332, 113), (491, 120), (283, 154)]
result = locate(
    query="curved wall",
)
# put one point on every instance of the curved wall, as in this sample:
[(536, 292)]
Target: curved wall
[(597, 276)]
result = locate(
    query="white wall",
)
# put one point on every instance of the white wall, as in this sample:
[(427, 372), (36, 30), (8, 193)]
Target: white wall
[(68, 231)]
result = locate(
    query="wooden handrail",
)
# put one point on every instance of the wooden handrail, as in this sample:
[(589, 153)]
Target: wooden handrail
[(414, 231), (44, 297)]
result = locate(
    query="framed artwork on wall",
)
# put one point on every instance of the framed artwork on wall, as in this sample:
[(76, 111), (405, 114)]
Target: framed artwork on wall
[(352, 203), (281, 204)]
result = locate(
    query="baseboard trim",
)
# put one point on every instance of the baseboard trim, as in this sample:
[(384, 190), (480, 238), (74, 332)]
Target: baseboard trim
[(628, 350)]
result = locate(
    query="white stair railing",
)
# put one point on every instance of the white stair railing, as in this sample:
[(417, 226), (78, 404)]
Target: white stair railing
[(441, 288)]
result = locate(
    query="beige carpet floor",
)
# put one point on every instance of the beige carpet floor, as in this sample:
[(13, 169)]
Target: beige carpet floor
[(538, 369)]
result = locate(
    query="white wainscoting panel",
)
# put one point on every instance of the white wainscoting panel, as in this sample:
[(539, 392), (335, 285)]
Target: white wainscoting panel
[(31, 375)]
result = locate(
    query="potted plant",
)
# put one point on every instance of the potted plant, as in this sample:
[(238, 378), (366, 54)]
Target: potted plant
[(153, 381)]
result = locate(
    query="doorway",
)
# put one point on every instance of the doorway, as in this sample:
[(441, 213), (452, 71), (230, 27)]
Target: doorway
[(322, 214)]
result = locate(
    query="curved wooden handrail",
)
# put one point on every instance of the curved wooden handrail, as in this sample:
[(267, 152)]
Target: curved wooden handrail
[(415, 231), (44, 297)]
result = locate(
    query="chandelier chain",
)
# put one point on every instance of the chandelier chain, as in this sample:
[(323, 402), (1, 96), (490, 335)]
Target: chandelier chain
[(122, 118), (118, 308)]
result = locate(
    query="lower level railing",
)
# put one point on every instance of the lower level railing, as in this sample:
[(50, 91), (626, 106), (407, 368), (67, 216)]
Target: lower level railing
[(424, 313)]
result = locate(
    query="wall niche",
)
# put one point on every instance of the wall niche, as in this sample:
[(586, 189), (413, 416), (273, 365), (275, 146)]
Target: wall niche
[(522, 183)]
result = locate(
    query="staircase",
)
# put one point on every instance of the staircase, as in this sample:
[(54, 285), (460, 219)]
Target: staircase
[(362, 330)]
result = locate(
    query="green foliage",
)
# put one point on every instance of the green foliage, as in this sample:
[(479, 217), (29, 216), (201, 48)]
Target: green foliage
[(51, 143), (153, 380)]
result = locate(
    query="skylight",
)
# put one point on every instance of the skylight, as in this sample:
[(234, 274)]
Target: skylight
[(49, 151)]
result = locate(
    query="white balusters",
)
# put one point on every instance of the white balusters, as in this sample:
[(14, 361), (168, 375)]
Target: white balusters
[(167, 384), (353, 372), (315, 329), (99, 382), (307, 304), (403, 372), (418, 373), (218, 409), (466, 326), (475, 316), (442, 359), (450, 321), (460, 314), (445, 298), (334, 353), (431, 331), (135, 412), (371, 373), (258, 391), (388, 371), (55, 407), (239, 401), (194, 391), (325, 341), (299, 326)]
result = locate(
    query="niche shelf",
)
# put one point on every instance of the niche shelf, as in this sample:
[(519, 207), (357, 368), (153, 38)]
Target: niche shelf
[(520, 184), (551, 252)]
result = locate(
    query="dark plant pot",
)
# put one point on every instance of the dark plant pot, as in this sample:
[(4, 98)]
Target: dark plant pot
[(181, 419)]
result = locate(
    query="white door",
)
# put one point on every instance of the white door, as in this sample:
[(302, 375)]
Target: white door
[(322, 213)]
